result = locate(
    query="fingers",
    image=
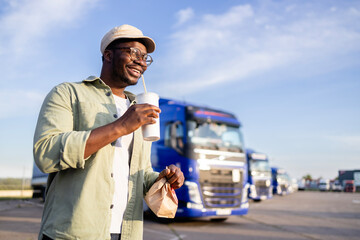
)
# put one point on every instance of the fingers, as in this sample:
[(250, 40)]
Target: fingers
[(149, 106), (136, 116), (163, 173), (173, 175), (147, 113), (151, 116)]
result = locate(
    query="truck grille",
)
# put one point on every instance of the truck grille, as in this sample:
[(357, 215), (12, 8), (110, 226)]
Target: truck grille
[(261, 188), (283, 189), (262, 191), (260, 183), (218, 189)]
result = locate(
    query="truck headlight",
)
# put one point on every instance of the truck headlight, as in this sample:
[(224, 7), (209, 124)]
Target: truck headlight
[(267, 183), (253, 192), (244, 197), (194, 193)]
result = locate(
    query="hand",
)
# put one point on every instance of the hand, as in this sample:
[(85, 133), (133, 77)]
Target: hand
[(136, 116), (173, 175)]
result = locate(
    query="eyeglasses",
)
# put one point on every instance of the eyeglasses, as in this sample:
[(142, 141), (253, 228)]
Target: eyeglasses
[(136, 54)]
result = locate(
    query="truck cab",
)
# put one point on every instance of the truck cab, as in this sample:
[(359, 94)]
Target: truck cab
[(349, 186), (207, 145), (336, 186), (280, 181), (259, 176), (324, 185)]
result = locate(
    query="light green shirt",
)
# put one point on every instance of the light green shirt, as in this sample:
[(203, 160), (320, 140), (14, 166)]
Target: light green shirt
[(80, 191)]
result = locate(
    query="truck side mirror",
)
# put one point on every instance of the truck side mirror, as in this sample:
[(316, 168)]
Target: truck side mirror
[(176, 137)]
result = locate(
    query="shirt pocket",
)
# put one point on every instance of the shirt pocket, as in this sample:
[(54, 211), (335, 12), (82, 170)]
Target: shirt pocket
[(90, 115)]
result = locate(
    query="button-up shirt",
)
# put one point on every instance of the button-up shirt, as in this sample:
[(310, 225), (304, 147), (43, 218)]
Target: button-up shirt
[(80, 191)]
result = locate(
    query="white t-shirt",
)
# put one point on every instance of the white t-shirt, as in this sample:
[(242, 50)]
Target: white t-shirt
[(120, 170)]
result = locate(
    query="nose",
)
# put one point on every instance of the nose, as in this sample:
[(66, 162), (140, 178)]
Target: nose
[(141, 62)]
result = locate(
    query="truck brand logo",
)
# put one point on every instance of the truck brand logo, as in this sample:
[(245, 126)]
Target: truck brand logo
[(220, 153)]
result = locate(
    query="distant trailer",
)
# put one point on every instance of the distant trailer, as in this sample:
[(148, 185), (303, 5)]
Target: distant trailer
[(38, 182)]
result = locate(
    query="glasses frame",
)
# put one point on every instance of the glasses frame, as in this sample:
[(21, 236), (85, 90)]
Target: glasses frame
[(145, 57)]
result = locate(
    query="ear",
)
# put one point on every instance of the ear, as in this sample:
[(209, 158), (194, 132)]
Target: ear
[(108, 55)]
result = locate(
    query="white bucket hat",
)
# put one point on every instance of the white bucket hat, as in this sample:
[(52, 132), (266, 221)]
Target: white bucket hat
[(126, 31)]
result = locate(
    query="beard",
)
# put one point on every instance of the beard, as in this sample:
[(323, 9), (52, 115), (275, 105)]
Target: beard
[(120, 76)]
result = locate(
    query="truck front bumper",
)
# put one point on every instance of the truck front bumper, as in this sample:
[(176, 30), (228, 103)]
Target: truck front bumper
[(219, 212)]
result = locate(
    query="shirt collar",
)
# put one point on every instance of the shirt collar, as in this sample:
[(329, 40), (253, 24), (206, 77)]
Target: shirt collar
[(129, 95), (93, 79)]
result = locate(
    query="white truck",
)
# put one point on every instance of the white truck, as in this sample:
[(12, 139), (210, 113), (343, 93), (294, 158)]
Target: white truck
[(324, 185)]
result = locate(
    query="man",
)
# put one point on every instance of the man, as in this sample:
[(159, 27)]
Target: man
[(88, 138)]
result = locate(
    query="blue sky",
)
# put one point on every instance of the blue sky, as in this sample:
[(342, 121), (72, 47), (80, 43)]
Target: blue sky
[(289, 70)]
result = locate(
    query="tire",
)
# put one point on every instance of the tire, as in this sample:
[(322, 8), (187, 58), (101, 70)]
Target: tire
[(218, 219)]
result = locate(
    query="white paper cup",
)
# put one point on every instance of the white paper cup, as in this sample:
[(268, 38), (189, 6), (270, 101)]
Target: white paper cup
[(151, 132)]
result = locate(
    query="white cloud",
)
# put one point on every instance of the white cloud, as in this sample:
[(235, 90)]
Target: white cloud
[(184, 15), (210, 32), (248, 40), (26, 21), (235, 16)]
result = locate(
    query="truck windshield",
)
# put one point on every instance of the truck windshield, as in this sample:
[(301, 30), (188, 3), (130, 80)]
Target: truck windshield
[(215, 136), (282, 177), (259, 165)]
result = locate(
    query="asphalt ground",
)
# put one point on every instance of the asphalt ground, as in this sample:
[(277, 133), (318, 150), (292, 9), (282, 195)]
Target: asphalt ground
[(301, 215)]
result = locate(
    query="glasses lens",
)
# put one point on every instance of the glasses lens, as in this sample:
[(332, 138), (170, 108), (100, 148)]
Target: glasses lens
[(136, 54), (148, 60)]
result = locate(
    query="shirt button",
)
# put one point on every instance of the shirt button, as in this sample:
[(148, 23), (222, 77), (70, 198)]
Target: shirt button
[(115, 116), (108, 94), (112, 175), (111, 206)]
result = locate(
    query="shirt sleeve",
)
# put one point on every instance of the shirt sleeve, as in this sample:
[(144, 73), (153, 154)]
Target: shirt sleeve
[(56, 145)]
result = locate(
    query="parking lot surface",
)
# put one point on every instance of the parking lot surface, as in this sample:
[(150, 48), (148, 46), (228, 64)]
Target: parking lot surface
[(301, 215)]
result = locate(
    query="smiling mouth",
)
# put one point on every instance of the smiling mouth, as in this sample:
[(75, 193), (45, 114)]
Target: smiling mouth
[(135, 71)]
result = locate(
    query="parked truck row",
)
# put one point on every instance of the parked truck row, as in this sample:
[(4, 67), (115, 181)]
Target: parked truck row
[(325, 185)]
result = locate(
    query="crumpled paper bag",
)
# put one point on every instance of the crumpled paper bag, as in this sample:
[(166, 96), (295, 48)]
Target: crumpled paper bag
[(161, 199)]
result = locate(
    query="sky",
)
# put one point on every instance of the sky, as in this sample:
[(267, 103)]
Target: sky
[(289, 70)]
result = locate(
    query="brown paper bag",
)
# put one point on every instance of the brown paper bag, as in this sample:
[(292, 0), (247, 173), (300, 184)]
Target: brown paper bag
[(161, 199)]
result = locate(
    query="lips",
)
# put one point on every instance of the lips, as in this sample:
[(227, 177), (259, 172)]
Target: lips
[(135, 71)]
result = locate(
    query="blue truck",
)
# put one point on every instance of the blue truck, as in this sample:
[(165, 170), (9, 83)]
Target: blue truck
[(280, 181), (259, 176), (207, 144)]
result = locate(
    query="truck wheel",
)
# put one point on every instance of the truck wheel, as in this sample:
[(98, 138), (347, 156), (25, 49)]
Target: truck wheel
[(43, 194), (36, 194), (218, 219)]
